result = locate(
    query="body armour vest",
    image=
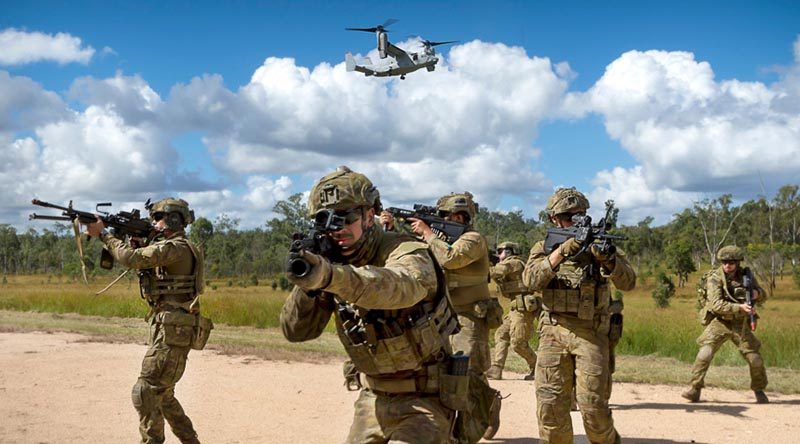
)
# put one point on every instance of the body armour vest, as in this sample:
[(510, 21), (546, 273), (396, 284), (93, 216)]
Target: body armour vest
[(510, 283), (402, 341), (177, 283), (470, 283), (578, 289)]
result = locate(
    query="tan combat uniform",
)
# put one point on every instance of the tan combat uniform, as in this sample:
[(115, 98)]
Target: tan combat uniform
[(466, 265), (393, 318), (170, 280), (517, 329), (574, 343), (729, 323)]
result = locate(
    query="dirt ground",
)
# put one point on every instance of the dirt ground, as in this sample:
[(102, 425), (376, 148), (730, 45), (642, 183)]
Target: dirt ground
[(60, 388)]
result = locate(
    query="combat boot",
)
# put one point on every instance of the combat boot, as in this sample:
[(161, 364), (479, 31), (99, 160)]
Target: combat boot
[(761, 397), (495, 372), (494, 417), (530, 376), (693, 394)]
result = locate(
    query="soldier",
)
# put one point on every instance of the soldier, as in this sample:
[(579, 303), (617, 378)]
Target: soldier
[(388, 296), (574, 326), (466, 265), (517, 325), (170, 280), (729, 315)]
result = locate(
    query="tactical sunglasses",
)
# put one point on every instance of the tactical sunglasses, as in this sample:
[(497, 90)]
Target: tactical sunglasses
[(349, 216), (158, 216)]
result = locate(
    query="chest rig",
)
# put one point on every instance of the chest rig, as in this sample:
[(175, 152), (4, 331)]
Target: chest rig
[(398, 343), (161, 288), (578, 289)]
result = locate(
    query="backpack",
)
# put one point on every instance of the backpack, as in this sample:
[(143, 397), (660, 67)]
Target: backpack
[(704, 313)]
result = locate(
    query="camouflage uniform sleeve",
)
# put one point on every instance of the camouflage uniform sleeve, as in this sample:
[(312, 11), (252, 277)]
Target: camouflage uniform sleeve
[(407, 278), (623, 276), (468, 248), (537, 273), (499, 271), (303, 317), (717, 300), (157, 254)]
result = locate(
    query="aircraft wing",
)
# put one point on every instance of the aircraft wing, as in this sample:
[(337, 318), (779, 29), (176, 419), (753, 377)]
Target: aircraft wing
[(394, 51)]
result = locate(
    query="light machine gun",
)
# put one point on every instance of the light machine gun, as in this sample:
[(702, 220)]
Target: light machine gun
[(584, 232), (450, 230), (123, 225)]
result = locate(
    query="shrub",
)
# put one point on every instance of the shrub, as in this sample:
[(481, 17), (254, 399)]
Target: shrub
[(664, 290), (284, 283), (254, 280)]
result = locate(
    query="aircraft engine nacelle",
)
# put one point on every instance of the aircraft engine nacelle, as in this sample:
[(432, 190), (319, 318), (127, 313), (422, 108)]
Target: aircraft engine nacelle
[(382, 44)]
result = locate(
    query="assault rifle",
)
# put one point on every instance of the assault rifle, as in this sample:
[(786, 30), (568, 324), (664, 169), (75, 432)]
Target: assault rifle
[(315, 240), (450, 230), (585, 233), (747, 283), (123, 225)]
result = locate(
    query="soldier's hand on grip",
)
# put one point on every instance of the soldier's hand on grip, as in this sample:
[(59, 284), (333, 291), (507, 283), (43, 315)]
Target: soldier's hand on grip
[(604, 255), (317, 275), (570, 247)]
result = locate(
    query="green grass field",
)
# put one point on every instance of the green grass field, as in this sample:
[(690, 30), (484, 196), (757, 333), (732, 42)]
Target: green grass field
[(658, 345)]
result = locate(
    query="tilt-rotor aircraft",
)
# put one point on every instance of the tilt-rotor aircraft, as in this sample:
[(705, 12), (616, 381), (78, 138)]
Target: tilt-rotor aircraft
[(398, 62)]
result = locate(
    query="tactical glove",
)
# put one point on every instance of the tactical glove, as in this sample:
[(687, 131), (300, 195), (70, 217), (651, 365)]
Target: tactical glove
[(604, 256), (570, 247), (318, 275)]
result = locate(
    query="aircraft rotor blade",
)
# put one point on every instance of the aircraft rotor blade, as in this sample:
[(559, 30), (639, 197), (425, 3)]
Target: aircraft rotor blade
[(388, 22), (361, 29), (428, 42)]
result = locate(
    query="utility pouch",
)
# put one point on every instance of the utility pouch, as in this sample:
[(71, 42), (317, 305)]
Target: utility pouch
[(202, 332), (586, 301), (706, 316), (494, 313), (532, 303), (350, 373), (615, 331), (454, 383), (106, 259), (178, 327)]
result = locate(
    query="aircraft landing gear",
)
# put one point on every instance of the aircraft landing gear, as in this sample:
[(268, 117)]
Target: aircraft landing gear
[(403, 77)]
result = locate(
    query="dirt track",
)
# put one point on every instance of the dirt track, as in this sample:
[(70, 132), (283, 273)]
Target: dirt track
[(58, 388)]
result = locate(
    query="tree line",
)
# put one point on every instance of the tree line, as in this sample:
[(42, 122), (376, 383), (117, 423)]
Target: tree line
[(768, 228)]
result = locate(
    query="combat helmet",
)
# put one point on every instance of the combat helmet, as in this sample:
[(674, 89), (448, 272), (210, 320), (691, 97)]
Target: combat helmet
[(343, 189), (730, 253), (566, 200), (175, 210), (512, 247), (458, 202)]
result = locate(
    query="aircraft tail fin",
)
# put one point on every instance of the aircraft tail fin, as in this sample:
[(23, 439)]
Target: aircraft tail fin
[(349, 62)]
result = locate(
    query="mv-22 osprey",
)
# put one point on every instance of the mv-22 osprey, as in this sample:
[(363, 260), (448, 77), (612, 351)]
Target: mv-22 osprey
[(400, 62)]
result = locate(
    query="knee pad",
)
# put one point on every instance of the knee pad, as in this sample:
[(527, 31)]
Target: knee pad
[(706, 353), (754, 359), (143, 396)]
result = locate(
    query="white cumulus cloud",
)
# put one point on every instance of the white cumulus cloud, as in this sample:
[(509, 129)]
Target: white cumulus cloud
[(690, 132), (22, 47)]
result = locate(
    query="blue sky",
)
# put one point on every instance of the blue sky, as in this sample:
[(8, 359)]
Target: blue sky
[(236, 105)]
